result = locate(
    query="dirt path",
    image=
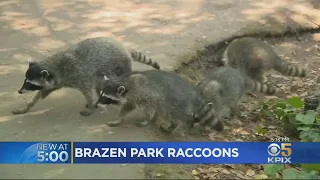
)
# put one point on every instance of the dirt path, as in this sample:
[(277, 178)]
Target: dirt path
[(161, 29)]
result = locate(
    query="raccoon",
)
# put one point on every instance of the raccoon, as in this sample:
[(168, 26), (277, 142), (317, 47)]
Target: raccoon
[(255, 57), (159, 94), (80, 67), (224, 87)]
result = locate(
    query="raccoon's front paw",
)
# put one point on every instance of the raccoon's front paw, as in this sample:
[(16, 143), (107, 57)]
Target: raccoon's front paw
[(21, 110), (114, 123), (86, 112), (166, 130), (142, 123)]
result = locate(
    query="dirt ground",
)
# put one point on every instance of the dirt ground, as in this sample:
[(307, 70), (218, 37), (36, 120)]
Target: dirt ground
[(303, 51), (165, 31)]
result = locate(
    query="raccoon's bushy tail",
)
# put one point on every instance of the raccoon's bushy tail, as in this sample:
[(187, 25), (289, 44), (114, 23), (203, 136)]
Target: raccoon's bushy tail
[(260, 87), (139, 57), (289, 69)]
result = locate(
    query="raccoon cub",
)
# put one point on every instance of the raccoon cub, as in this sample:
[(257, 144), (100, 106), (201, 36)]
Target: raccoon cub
[(160, 94), (255, 57), (224, 87), (80, 67)]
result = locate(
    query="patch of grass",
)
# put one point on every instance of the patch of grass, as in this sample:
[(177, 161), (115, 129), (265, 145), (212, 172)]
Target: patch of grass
[(304, 123)]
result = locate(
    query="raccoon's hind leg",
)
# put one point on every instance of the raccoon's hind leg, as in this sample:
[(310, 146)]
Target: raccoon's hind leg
[(151, 116), (125, 109), (40, 95), (234, 110)]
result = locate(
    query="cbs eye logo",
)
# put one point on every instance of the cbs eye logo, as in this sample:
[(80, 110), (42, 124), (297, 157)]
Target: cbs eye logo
[(285, 149)]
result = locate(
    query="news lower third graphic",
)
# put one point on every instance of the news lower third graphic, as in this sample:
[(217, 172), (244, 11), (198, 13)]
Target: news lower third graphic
[(159, 153), (35, 152)]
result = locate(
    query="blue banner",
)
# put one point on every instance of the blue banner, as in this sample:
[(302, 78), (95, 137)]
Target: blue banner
[(35, 152), (196, 152), (159, 153)]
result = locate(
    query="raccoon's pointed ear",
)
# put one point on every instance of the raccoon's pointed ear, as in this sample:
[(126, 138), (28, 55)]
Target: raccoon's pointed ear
[(121, 90), (209, 104), (105, 78), (44, 74), (31, 62)]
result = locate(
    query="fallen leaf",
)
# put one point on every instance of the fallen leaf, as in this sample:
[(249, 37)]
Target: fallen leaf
[(238, 174), (215, 170), (229, 166), (195, 172), (272, 127), (240, 131), (211, 175), (250, 173), (224, 171), (261, 176), (252, 95), (271, 97)]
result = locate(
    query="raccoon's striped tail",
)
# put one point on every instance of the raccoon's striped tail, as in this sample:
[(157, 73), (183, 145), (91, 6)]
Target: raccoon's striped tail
[(260, 87), (207, 118), (289, 69), (139, 57)]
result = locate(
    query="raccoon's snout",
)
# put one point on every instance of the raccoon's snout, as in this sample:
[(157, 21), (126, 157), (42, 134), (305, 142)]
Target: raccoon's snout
[(107, 100), (22, 90)]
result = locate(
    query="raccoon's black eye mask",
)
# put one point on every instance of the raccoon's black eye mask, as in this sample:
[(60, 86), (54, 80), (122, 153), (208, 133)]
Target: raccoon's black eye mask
[(121, 90), (105, 100), (32, 87)]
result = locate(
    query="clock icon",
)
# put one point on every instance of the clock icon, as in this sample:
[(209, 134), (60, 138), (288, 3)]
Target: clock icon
[(47, 159)]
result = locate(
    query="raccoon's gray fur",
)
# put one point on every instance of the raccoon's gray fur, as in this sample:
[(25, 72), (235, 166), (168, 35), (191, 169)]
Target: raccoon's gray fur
[(160, 94), (224, 87), (255, 57), (82, 67)]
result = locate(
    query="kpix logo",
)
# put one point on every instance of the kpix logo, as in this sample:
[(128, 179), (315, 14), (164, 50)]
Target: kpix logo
[(275, 150)]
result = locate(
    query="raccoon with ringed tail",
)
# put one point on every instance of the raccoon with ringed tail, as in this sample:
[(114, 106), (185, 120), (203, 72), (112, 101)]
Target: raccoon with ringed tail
[(224, 86), (161, 95), (255, 57), (80, 67)]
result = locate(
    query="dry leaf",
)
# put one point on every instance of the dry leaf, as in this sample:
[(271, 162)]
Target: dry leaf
[(272, 127), (196, 177), (211, 175), (250, 173), (240, 131), (239, 175), (271, 97), (195, 172), (215, 170), (224, 171), (261, 176)]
